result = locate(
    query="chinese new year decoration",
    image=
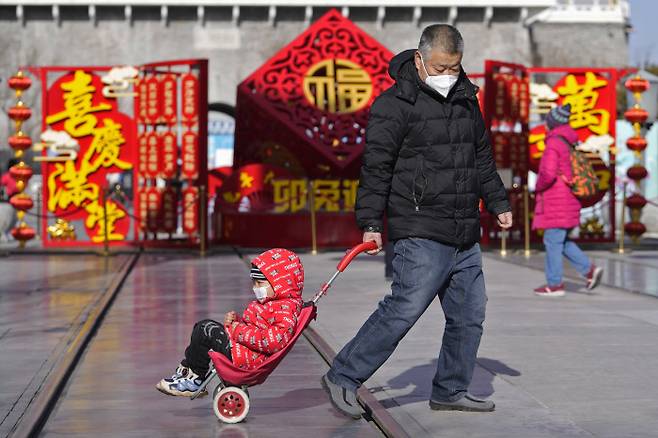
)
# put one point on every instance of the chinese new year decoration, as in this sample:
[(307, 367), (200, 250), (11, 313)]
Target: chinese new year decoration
[(21, 172), (300, 119), (591, 93), (126, 124), (637, 143), (76, 105)]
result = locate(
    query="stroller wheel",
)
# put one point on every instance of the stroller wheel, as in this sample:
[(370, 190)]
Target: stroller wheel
[(231, 404)]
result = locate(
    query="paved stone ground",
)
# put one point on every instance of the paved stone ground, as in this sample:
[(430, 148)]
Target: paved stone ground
[(112, 392), (636, 271), (40, 298), (582, 365)]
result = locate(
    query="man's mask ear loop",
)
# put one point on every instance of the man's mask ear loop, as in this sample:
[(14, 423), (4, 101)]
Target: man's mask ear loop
[(422, 62)]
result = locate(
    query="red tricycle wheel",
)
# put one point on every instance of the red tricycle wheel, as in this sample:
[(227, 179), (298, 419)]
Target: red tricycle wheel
[(231, 405)]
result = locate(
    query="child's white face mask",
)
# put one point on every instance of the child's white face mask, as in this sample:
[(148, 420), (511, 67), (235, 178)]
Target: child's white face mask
[(260, 292)]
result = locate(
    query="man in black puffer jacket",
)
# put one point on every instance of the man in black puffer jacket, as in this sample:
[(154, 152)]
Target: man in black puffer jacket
[(427, 164)]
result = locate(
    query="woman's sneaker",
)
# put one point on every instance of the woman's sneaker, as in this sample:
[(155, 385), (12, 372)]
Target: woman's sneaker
[(594, 277), (184, 383), (550, 291)]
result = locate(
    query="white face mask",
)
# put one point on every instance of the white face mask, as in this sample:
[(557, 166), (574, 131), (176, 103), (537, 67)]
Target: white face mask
[(442, 84), (260, 292)]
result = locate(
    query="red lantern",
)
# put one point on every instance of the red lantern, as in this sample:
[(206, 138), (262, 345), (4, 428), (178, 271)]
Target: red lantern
[(21, 202), (636, 115), (635, 229), (20, 142), (637, 173), (637, 144), (637, 84), (21, 173), (636, 201), (23, 233), (19, 82), (20, 113)]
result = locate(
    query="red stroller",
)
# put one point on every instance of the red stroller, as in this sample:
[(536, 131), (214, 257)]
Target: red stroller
[(231, 400)]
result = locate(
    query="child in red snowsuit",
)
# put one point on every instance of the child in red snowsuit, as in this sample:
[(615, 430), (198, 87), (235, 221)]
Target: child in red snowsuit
[(266, 326)]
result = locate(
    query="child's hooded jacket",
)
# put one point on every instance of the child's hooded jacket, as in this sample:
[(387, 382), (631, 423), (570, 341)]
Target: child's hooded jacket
[(267, 327)]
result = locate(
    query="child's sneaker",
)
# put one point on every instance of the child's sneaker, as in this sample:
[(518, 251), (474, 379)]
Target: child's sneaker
[(550, 291), (183, 383)]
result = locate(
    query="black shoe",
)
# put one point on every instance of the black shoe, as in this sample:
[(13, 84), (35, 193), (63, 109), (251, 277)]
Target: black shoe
[(467, 403), (343, 399)]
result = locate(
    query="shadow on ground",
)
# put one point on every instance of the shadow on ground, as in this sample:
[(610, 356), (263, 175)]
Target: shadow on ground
[(419, 379)]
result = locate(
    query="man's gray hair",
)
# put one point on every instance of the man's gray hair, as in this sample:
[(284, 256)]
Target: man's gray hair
[(444, 37)]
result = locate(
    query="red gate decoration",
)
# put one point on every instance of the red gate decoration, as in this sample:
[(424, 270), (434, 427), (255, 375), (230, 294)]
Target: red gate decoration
[(507, 102), (145, 145), (506, 112), (184, 82), (302, 116)]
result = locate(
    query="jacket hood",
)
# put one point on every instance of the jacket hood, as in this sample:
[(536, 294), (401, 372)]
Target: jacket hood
[(565, 131), (284, 270), (403, 70)]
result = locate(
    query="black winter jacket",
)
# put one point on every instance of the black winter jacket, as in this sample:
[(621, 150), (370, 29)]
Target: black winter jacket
[(427, 161)]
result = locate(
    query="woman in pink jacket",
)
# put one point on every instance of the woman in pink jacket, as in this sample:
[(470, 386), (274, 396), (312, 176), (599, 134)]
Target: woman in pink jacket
[(557, 210)]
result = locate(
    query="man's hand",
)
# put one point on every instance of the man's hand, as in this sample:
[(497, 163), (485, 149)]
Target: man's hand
[(505, 220), (230, 317), (377, 237)]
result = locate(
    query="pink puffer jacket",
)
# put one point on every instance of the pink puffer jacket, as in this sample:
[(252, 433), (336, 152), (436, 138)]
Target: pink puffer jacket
[(555, 205)]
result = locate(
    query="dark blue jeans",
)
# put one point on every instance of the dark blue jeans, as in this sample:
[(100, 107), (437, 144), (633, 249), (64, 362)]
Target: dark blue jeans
[(422, 270)]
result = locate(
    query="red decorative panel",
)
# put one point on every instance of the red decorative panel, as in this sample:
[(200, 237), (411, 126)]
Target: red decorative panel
[(313, 99)]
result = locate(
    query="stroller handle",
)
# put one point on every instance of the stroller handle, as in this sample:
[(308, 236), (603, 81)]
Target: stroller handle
[(355, 251)]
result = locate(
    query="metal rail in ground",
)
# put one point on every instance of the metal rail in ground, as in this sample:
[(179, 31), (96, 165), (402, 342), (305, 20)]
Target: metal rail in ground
[(375, 412), (67, 355)]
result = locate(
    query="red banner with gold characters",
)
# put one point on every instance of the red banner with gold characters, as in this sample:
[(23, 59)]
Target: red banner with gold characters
[(169, 210), (592, 96), (168, 155), (169, 99), (189, 148), (190, 104), (191, 210), (77, 111)]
